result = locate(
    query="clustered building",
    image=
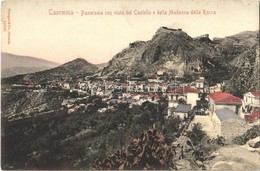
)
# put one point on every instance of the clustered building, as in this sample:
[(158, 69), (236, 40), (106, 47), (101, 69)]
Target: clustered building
[(229, 114)]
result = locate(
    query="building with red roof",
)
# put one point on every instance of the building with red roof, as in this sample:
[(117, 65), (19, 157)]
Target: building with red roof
[(188, 94), (224, 100), (154, 97), (256, 94), (253, 117), (185, 90)]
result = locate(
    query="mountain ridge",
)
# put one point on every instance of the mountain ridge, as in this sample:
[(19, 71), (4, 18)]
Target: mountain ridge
[(12, 64), (75, 68), (3, 54), (175, 51)]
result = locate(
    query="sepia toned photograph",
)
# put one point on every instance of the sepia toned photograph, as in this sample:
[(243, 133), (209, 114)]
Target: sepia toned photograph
[(130, 85)]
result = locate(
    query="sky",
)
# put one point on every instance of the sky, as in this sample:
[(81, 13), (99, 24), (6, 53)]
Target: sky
[(30, 28)]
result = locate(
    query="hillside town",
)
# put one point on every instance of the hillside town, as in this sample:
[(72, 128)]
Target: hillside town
[(220, 112)]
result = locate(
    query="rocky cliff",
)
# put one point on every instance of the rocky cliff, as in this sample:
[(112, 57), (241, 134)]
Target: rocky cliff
[(247, 74), (175, 51), (169, 49)]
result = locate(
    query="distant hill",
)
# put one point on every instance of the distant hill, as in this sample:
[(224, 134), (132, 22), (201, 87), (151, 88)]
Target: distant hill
[(70, 70), (12, 65)]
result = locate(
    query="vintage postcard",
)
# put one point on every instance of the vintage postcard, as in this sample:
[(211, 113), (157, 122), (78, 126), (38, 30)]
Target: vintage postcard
[(130, 85)]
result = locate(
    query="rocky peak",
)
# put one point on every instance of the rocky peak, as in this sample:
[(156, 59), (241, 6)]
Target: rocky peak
[(168, 30), (172, 32), (147, 57), (203, 38), (136, 44)]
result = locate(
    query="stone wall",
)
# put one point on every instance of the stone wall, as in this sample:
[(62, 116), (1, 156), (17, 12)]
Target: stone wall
[(230, 107), (216, 123), (233, 128)]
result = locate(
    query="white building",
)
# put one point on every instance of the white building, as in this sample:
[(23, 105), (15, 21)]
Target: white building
[(163, 87), (200, 84), (215, 88), (188, 94), (252, 99), (154, 87)]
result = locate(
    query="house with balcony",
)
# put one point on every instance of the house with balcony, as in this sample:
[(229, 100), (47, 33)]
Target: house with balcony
[(252, 99)]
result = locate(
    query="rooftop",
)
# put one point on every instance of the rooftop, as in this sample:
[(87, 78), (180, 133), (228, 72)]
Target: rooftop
[(224, 97), (185, 90), (183, 108), (200, 80), (226, 114), (253, 117)]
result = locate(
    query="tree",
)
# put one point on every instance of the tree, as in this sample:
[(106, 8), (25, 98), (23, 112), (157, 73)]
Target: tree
[(249, 134), (152, 150), (172, 124), (196, 134)]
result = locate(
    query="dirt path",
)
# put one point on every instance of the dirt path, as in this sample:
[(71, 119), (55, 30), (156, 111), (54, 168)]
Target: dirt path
[(235, 158)]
